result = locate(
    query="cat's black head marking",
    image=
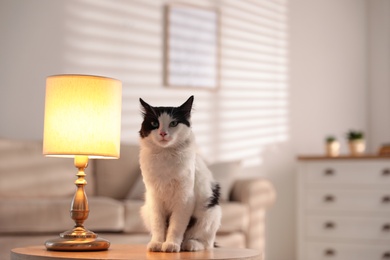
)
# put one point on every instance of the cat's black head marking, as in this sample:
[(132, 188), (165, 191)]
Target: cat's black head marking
[(181, 114)]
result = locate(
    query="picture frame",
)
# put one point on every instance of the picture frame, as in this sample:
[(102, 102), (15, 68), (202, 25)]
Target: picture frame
[(191, 47)]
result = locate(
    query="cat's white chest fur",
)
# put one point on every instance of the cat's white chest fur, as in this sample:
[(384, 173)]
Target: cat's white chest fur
[(170, 174)]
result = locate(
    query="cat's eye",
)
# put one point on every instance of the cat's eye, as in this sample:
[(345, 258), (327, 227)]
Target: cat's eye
[(154, 124), (173, 124)]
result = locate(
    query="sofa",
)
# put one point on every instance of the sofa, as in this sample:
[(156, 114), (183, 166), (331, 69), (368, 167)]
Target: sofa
[(36, 192)]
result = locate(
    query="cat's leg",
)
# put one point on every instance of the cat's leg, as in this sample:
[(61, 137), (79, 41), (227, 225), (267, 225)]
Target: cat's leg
[(158, 226), (202, 230), (192, 245), (177, 226)]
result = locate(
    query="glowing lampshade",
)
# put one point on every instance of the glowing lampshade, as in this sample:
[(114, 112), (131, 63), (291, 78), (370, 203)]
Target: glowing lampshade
[(82, 116)]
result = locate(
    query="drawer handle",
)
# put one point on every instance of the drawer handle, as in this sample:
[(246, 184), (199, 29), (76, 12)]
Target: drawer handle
[(329, 225), (386, 172), (386, 255), (331, 172), (386, 199), (331, 198), (329, 252), (386, 227)]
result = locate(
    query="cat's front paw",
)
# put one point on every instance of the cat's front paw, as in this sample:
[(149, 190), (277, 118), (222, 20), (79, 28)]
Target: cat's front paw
[(154, 246), (192, 245), (170, 247)]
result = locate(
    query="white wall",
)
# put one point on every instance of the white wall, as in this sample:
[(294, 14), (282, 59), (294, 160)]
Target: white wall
[(31, 45), (328, 71), (328, 87), (378, 72)]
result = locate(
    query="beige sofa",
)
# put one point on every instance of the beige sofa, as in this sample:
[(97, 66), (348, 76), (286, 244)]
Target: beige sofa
[(35, 196)]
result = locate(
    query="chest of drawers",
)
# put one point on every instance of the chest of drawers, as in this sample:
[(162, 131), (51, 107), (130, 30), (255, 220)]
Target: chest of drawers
[(343, 208)]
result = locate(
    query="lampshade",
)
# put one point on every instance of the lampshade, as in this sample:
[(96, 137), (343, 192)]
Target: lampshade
[(82, 116)]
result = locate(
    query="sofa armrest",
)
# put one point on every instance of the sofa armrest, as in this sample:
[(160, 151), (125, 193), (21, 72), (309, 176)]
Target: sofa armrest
[(257, 194)]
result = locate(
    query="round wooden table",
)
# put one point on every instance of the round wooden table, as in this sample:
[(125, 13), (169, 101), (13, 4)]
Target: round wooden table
[(132, 252)]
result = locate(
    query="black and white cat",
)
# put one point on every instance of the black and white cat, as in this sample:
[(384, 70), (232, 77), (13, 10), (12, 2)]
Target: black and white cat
[(181, 207)]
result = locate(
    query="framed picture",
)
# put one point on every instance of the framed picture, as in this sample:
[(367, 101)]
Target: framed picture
[(191, 47)]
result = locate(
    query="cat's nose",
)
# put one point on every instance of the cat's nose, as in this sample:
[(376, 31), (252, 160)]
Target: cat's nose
[(163, 134)]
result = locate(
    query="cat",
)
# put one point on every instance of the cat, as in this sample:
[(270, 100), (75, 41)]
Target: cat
[(181, 209)]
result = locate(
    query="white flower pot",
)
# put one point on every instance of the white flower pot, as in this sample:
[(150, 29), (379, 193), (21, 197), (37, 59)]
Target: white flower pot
[(332, 149), (357, 147)]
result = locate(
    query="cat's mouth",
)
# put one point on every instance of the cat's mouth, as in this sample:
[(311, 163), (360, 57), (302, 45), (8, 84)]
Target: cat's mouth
[(164, 140), (164, 143)]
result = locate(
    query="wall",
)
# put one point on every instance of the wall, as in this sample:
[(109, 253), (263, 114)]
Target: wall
[(326, 92), (31, 43), (329, 71), (378, 72)]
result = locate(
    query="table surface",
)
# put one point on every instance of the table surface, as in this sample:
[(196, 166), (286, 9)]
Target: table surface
[(130, 252)]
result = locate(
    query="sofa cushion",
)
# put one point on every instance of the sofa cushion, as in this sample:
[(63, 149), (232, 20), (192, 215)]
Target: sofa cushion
[(225, 173), (137, 191), (133, 219), (26, 173), (106, 215), (235, 217), (115, 178), (52, 215)]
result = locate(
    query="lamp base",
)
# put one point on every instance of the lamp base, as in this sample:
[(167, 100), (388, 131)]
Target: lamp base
[(77, 239)]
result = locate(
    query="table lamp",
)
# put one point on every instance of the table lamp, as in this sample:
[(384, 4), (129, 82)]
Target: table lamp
[(82, 121)]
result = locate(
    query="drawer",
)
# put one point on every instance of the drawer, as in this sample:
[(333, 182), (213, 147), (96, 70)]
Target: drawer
[(344, 172), (348, 227), (332, 251), (348, 200)]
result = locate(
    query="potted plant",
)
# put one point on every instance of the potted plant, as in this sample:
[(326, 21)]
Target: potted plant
[(356, 142), (332, 146)]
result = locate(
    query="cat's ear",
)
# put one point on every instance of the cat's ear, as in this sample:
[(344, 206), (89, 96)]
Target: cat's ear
[(146, 106), (187, 106), (143, 103)]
